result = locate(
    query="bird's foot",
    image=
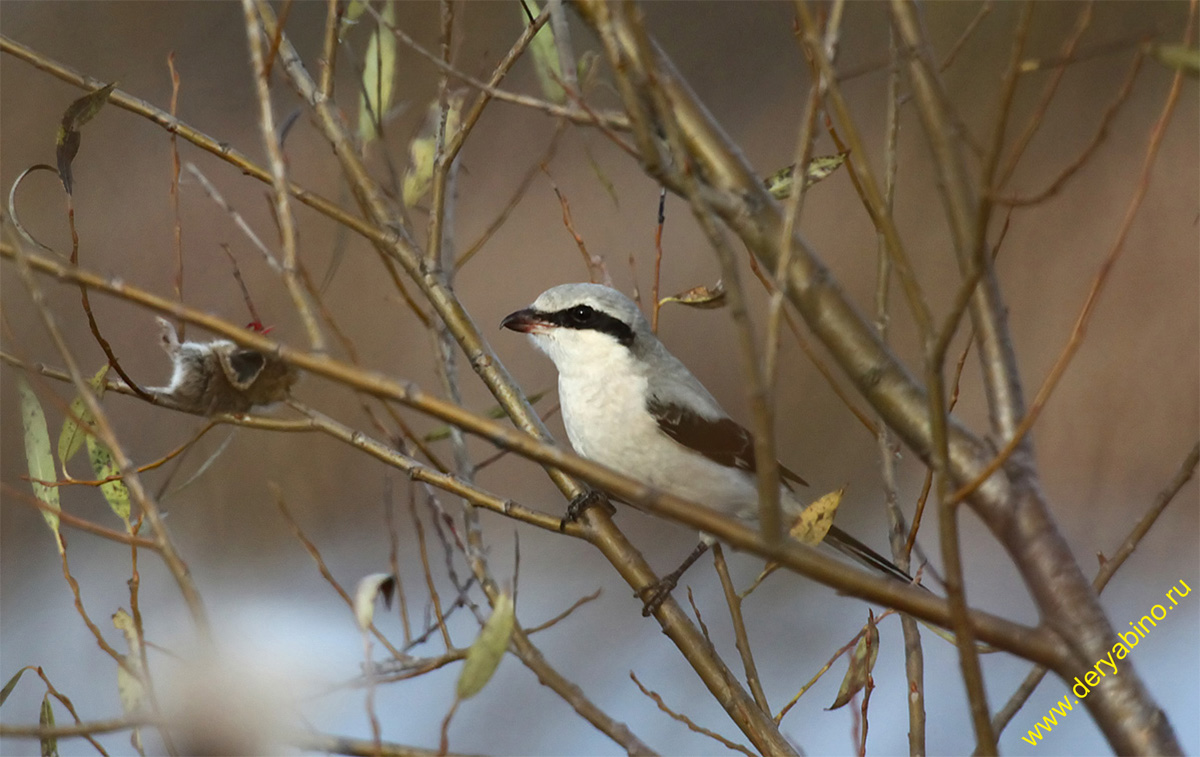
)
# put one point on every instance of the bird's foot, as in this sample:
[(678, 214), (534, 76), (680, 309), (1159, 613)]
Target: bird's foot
[(656, 593), (590, 498)]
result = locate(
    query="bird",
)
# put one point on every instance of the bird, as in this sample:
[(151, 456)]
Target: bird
[(629, 404)]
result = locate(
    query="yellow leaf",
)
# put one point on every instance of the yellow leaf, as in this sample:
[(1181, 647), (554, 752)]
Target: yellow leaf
[(816, 519), (780, 183), (37, 454), (422, 151), (488, 649), (862, 662), (379, 77), (702, 297), (104, 466), (71, 436)]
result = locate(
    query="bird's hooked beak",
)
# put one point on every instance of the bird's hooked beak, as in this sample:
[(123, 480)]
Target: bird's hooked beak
[(527, 321)]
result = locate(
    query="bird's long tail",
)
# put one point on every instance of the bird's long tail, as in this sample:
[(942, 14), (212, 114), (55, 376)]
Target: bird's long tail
[(855, 549)]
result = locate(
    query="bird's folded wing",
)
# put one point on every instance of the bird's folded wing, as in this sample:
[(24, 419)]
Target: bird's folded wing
[(722, 440)]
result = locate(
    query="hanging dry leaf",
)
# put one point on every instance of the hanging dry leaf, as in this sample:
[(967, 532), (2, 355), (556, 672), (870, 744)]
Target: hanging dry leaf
[(77, 114), (369, 589), (70, 439), (780, 183), (705, 298), (488, 649), (38, 456), (816, 519), (862, 662)]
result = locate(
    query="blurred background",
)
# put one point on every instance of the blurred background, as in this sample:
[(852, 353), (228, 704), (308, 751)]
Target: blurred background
[(1113, 434)]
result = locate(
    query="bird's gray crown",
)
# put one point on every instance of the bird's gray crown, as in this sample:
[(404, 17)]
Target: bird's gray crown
[(596, 296)]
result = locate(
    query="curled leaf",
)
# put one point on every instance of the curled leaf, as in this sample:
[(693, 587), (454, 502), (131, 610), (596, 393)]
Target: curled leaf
[(487, 650), (369, 588), (862, 662), (104, 466), (71, 437), (816, 519), (379, 76), (77, 114), (780, 183), (46, 720), (37, 454), (706, 298)]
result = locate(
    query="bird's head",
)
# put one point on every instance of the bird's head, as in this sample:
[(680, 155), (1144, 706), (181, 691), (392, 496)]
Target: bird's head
[(582, 325)]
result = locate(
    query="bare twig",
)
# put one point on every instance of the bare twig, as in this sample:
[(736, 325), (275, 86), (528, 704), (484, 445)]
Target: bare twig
[(678, 716), (283, 206)]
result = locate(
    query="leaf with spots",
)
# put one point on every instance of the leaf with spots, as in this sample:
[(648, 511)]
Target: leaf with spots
[(70, 439), (38, 455)]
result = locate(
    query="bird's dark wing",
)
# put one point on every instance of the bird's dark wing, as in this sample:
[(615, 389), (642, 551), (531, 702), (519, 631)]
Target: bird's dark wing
[(722, 440)]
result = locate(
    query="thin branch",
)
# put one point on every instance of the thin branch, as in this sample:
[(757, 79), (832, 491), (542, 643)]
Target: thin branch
[(1098, 281), (739, 629), (1027, 642), (680, 717), (1108, 568), (283, 206)]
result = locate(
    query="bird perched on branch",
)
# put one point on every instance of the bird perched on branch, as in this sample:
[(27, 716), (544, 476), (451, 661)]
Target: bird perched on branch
[(631, 405)]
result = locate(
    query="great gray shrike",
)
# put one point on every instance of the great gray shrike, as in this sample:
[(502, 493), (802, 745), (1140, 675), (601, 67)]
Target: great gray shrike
[(630, 404)]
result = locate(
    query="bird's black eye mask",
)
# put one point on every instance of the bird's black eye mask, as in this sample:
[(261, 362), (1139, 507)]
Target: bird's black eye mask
[(583, 317)]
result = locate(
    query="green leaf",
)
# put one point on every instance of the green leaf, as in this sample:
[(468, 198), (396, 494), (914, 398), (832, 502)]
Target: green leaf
[(104, 466), (350, 17), (46, 720), (545, 58), (37, 453), (12, 684), (1178, 57), (379, 77), (71, 436), (422, 151), (861, 664), (77, 114), (495, 412), (488, 649)]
